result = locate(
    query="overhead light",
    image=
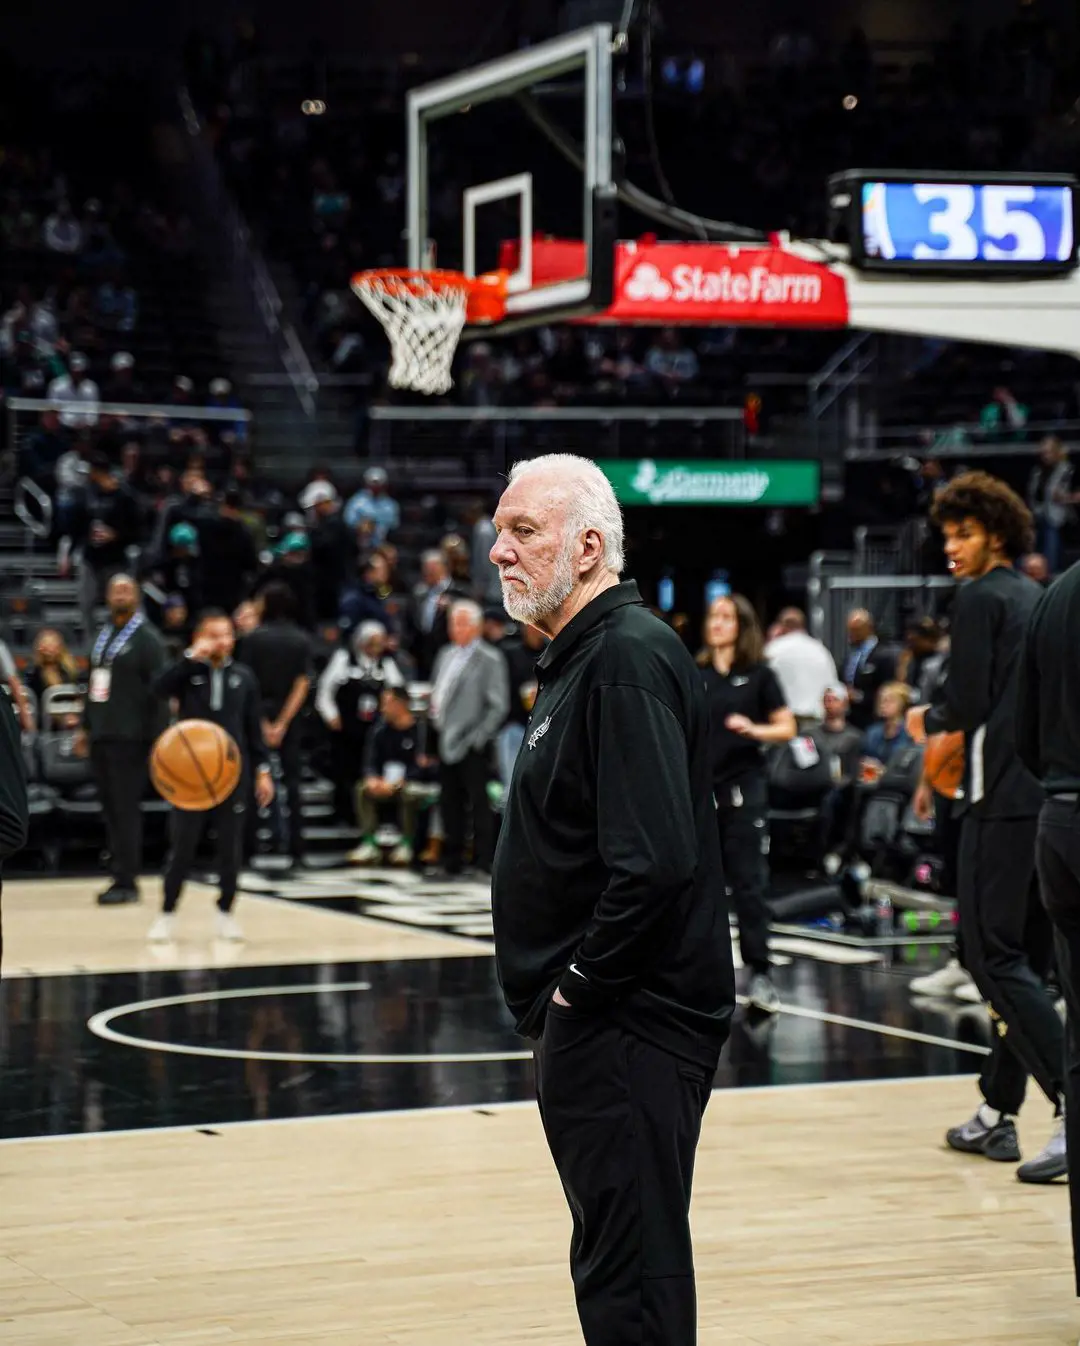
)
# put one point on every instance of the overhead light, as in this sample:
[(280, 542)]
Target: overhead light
[(313, 107)]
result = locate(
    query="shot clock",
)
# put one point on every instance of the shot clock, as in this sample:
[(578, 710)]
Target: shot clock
[(956, 224)]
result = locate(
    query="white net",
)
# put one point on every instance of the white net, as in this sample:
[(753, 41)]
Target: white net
[(423, 322)]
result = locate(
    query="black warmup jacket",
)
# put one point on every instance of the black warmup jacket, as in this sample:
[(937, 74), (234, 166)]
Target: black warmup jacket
[(990, 617), (1048, 692), (607, 880), (228, 695)]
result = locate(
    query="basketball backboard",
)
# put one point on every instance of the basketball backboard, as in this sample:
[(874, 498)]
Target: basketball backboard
[(517, 147)]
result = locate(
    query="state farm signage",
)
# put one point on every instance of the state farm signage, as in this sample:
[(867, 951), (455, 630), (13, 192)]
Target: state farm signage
[(712, 283)]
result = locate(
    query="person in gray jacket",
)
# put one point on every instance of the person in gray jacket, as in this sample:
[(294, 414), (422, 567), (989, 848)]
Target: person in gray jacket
[(470, 699)]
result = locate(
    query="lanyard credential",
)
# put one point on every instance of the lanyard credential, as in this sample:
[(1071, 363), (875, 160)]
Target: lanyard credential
[(108, 645)]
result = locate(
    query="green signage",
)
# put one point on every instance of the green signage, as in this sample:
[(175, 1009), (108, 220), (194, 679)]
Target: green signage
[(709, 482)]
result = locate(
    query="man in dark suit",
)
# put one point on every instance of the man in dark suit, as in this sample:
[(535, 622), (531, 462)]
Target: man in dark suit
[(868, 667)]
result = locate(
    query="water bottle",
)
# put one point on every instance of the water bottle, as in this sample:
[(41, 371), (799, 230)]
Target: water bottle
[(883, 915)]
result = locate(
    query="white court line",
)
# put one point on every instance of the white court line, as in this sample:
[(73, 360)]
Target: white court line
[(448, 1109), (100, 1025), (442, 1109)]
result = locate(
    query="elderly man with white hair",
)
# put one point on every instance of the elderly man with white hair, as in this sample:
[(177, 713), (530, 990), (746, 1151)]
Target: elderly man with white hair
[(611, 928), (347, 700), (470, 700)]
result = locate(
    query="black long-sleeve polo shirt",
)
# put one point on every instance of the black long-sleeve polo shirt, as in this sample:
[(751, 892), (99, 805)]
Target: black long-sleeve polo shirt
[(1048, 692), (229, 696), (607, 880), (989, 619)]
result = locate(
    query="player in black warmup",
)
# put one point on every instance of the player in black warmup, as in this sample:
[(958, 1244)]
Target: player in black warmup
[(746, 711), (1005, 931), (207, 685), (1048, 740)]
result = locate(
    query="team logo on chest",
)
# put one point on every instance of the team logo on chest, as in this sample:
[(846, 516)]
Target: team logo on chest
[(538, 733)]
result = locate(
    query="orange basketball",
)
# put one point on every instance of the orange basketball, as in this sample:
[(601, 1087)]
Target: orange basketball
[(195, 765), (943, 763)]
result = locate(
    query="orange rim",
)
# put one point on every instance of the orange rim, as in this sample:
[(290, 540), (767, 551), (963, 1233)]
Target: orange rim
[(485, 294)]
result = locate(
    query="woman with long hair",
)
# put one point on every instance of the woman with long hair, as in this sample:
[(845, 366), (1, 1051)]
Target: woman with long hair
[(747, 713)]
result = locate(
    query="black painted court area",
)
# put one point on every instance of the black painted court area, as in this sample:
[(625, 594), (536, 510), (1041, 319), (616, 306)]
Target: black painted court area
[(57, 1076)]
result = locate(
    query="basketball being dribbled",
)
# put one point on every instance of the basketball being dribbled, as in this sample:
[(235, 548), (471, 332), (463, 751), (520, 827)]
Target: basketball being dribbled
[(195, 765), (943, 763)]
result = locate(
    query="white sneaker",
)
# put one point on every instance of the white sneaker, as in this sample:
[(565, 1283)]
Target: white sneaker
[(969, 993), (162, 931), (945, 981), (401, 854), (225, 927), (367, 853)]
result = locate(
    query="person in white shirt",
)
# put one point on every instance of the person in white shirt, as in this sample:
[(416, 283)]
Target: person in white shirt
[(803, 665), (77, 394)]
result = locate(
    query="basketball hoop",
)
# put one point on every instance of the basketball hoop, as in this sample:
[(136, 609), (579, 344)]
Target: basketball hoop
[(423, 314)]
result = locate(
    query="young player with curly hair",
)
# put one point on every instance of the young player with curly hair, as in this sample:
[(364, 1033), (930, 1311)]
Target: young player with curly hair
[(1006, 940)]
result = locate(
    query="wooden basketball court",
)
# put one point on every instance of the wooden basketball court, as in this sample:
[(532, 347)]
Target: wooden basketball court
[(824, 1215)]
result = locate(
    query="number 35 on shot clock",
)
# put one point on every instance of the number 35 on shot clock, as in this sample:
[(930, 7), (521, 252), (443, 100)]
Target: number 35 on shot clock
[(956, 224)]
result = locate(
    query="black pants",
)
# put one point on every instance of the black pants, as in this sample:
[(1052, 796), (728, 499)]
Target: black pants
[(463, 792), (186, 831), (286, 806), (622, 1120), (1058, 854), (120, 769), (1006, 945), (742, 817)]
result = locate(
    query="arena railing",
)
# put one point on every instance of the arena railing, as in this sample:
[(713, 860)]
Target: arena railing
[(490, 439), (892, 600), (963, 440), (24, 417)]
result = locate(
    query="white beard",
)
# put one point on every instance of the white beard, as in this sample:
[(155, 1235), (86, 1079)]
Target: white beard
[(532, 604)]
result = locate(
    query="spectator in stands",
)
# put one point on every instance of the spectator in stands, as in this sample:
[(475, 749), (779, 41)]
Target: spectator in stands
[(77, 394), (844, 746), (887, 736), (470, 699), (487, 586), (375, 504), (122, 718), (245, 618), (230, 557), (123, 386), (747, 712), (348, 702), (63, 232), (424, 607), (333, 547), (53, 666), (521, 652), (868, 667), (397, 778), (803, 665), (1050, 498), (922, 659), (278, 652), (229, 433), (1004, 416), (672, 365), (365, 599), (116, 305), (174, 590), (189, 505), (112, 526), (40, 455), (1035, 567), (293, 567)]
